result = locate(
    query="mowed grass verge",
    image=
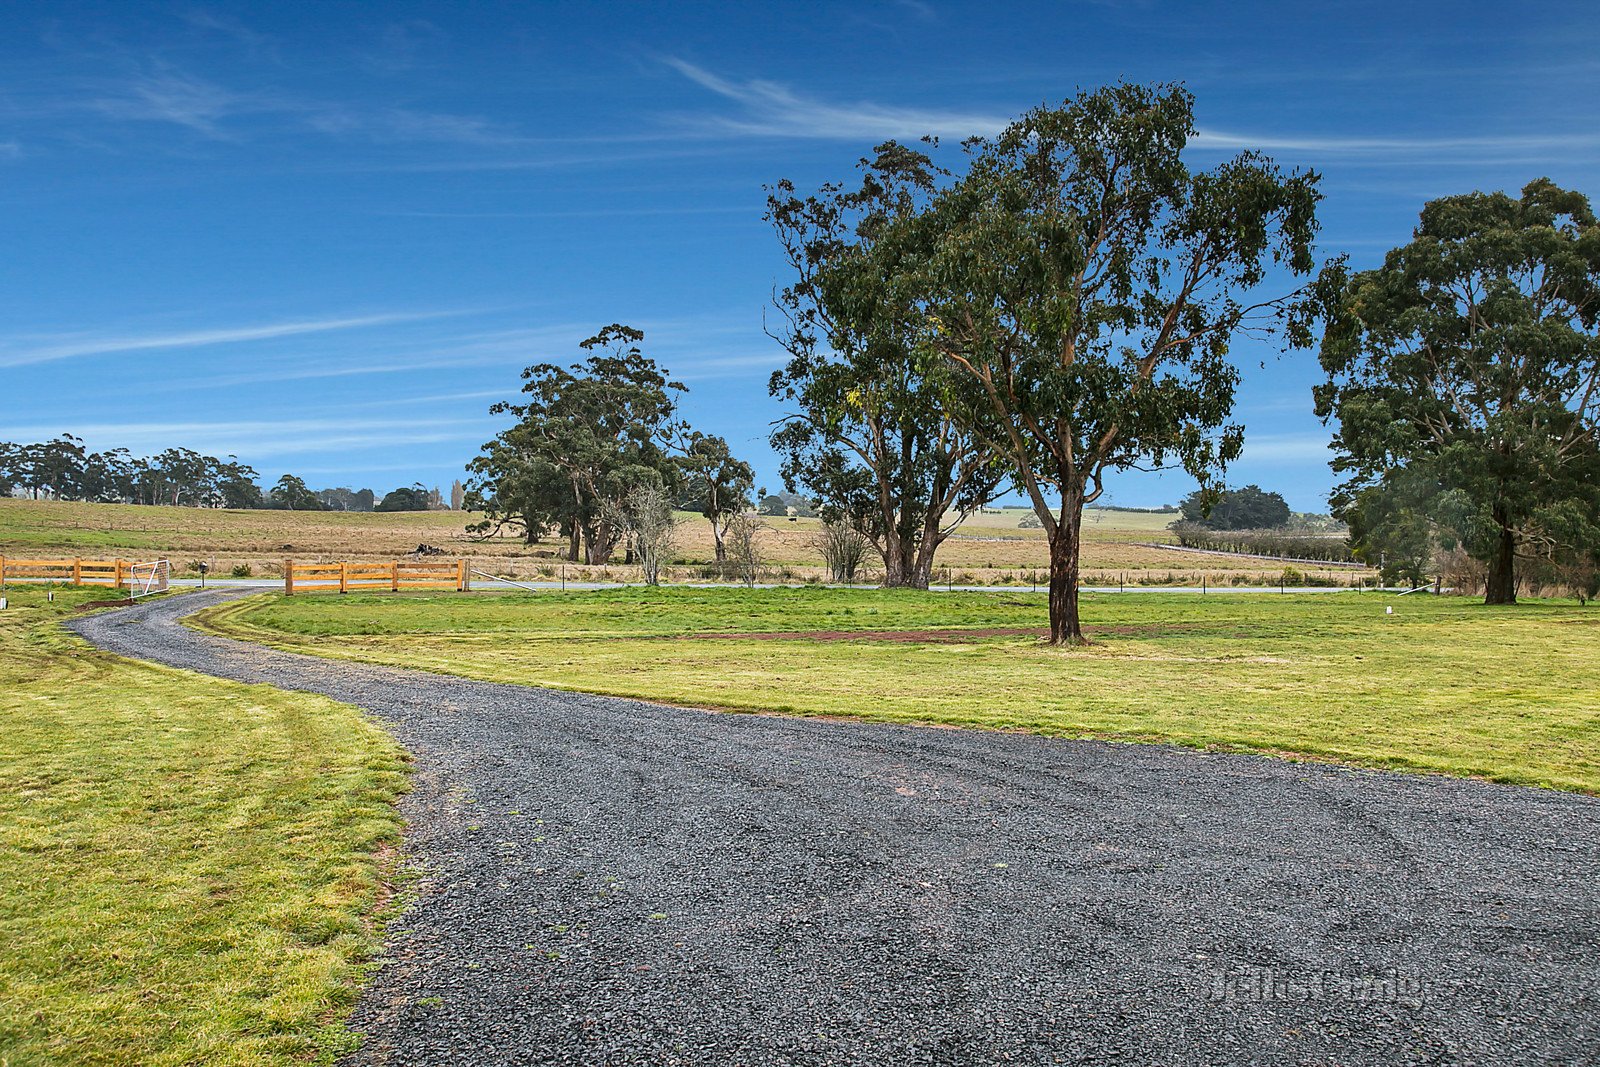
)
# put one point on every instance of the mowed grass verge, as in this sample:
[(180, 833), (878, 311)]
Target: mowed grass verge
[(192, 868), (1443, 685)]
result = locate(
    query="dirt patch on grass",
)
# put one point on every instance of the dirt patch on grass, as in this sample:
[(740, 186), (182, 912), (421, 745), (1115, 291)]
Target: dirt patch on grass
[(900, 636), (938, 636)]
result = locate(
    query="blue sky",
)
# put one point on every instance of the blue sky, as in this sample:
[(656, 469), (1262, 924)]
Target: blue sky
[(325, 237)]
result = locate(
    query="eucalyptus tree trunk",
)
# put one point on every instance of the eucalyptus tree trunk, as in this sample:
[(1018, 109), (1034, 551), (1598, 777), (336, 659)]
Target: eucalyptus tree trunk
[(1065, 541), (717, 541), (898, 568), (1501, 587), (927, 545)]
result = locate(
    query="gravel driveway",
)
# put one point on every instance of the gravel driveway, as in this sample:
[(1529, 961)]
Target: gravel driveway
[(622, 883)]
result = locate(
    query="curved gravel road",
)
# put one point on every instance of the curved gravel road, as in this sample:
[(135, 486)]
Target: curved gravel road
[(612, 882)]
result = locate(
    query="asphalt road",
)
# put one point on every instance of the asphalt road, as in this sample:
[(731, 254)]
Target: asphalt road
[(612, 882)]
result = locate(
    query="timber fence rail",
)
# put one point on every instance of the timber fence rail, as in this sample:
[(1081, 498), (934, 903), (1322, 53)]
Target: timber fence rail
[(114, 573), (346, 576)]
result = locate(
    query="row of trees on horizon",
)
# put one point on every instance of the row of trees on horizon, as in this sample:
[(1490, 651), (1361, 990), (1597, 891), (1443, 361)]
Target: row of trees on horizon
[(64, 469)]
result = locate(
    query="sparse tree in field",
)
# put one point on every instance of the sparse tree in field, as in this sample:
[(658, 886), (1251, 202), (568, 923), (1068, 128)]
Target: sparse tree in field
[(743, 536), (291, 494), (714, 484), (595, 429), (646, 515), (1249, 508), (868, 433), (458, 495), (1083, 287), (843, 548), (1464, 374), (411, 497)]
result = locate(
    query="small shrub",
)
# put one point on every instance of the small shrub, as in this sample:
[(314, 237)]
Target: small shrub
[(842, 548), (241, 570)]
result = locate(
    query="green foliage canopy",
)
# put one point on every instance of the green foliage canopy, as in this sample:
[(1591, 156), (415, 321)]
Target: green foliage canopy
[(584, 436), (1083, 286), (1464, 375), (714, 483), (868, 433), (1248, 508)]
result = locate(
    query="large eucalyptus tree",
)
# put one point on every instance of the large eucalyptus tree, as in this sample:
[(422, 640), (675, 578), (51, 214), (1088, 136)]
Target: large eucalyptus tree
[(1465, 377), (1084, 285)]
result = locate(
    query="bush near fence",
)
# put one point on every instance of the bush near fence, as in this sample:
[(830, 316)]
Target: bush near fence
[(1284, 544)]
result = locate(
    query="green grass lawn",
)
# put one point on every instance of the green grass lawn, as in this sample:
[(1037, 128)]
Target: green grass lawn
[(192, 869), (1444, 684)]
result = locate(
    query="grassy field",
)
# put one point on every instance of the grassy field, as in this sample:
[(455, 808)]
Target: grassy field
[(1444, 684), (192, 868), (988, 549)]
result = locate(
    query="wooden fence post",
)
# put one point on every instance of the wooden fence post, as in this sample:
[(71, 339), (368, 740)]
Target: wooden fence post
[(2, 572), (394, 576), (462, 581), (117, 573), (344, 576), (288, 577), (77, 570)]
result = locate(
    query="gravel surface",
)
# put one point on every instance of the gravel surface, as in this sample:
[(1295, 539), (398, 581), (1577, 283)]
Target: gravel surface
[(615, 882)]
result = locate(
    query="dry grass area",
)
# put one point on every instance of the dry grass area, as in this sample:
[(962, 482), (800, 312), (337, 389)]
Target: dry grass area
[(988, 549)]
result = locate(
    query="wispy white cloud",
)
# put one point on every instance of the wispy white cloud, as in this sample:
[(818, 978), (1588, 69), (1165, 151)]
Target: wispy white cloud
[(166, 95), (769, 109), (1428, 147), (406, 125), (752, 210), (699, 370), (512, 349), (402, 46), (81, 345), (1265, 450), (215, 22), (158, 92)]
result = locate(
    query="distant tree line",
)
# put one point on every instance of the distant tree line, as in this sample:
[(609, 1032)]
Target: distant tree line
[(64, 469), (1282, 541)]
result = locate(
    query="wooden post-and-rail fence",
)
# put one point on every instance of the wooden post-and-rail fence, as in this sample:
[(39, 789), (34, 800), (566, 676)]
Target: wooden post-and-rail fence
[(393, 576), (116, 573)]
